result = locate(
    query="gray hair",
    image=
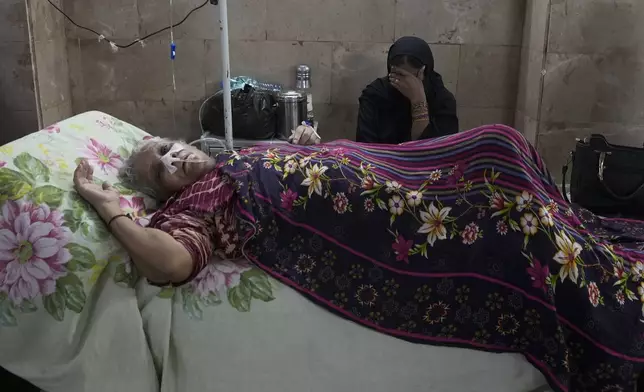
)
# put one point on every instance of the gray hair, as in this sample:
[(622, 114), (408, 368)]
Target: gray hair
[(132, 180)]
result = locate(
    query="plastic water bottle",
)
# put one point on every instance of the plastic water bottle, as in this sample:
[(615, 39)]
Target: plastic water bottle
[(270, 87), (240, 81)]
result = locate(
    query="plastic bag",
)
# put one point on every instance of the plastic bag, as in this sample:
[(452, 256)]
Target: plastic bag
[(254, 114)]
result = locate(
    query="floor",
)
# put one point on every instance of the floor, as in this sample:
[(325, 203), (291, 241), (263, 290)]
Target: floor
[(11, 383)]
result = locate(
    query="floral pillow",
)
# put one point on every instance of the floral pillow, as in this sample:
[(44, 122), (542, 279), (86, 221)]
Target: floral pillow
[(53, 246)]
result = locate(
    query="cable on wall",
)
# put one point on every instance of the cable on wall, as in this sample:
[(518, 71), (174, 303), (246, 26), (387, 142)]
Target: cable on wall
[(139, 40)]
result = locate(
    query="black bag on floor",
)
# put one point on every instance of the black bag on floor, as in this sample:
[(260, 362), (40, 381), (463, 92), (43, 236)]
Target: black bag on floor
[(607, 179), (254, 114)]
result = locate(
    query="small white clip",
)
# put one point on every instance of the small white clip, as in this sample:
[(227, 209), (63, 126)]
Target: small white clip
[(142, 43), (114, 47), (101, 37), (168, 159)]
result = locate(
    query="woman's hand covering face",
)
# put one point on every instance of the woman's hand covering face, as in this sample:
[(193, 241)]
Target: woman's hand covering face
[(409, 85)]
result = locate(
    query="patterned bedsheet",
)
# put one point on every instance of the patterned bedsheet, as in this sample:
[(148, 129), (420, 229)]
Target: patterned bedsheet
[(74, 315)]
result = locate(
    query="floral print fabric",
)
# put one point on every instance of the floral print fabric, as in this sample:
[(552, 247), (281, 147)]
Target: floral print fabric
[(53, 246), (33, 251), (461, 241)]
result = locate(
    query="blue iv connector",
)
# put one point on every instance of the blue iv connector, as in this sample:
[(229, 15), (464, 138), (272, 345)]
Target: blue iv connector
[(173, 50)]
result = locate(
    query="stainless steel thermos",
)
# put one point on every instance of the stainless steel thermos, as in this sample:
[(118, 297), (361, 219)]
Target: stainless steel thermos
[(291, 112)]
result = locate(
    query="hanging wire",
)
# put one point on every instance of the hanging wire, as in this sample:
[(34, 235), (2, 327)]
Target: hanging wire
[(139, 40), (173, 46), (173, 54)]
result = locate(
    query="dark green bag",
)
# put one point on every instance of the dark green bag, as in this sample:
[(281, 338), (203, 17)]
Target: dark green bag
[(607, 179)]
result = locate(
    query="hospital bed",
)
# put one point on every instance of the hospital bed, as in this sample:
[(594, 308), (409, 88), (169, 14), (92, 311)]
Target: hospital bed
[(84, 321)]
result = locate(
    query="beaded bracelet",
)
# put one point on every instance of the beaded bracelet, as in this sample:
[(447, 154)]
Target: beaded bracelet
[(419, 108), (420, 117)]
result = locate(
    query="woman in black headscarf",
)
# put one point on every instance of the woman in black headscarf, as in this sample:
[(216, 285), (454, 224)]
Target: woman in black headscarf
[(411, 102)]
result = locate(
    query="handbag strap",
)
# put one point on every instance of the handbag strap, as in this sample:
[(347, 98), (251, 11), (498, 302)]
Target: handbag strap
[(564, 174), (622, 198), (600, 176)]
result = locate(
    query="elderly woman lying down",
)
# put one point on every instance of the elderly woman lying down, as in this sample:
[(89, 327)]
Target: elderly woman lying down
[(461, 241)]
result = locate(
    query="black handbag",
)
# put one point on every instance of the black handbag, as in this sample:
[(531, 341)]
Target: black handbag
[(606, 179)]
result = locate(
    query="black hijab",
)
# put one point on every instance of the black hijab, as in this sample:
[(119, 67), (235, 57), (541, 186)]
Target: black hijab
[(385, 114)]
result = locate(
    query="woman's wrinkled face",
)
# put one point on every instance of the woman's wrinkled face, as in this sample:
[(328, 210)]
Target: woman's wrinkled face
[(190, 164)]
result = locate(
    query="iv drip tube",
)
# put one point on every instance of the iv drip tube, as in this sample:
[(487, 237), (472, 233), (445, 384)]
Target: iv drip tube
[(225, 62)]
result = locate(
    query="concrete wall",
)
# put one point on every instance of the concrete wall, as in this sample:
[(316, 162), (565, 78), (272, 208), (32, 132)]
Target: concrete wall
[(531, 75), (50, 59), (18, 113), (585, 74), (34, 76), (477, 44)]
